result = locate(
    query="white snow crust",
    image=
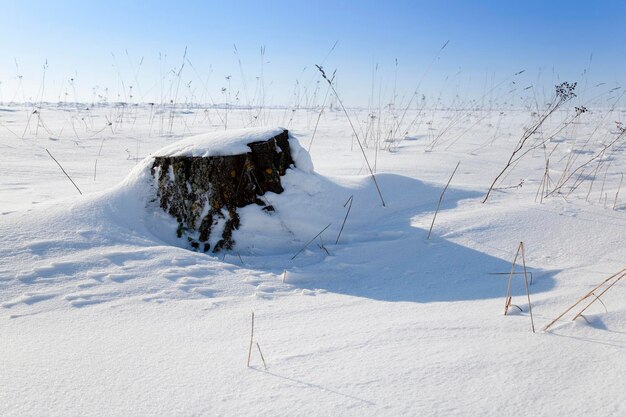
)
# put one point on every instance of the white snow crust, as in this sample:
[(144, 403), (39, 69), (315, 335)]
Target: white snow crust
[(104, 312), (227, 142)]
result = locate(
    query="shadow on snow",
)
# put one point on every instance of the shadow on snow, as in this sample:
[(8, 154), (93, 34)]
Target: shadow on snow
[(381, 255)]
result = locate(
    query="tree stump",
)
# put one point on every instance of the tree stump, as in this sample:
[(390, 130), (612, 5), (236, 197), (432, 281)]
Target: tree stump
[(204, 193)]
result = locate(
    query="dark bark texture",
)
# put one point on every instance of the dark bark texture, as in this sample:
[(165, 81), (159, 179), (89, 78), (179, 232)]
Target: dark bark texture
[(204, 193)]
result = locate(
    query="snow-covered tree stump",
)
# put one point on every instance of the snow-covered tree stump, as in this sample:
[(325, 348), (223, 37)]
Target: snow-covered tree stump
[(203, 180)]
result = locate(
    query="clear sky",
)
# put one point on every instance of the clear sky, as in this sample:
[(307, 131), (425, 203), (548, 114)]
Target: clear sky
[(93, 45)]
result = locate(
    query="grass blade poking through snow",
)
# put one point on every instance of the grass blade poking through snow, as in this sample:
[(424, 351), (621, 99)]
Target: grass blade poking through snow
[(319, 116), (507, 302), (597, 297), (261, 353), (68, 177), (441, 198), (530, 307), (617, 193), (367, 162), (620, 274), (309, 242), (349, 204), (251, 340)]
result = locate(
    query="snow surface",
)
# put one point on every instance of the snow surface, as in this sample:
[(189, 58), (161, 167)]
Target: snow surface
[(103, 313)]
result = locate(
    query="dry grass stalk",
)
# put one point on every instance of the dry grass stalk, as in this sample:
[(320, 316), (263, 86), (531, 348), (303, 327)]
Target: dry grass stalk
[(564, 92), (530, 307), (603, 183), (349, 204), (367, 162), (322, 246), (441, 198), (507, 302), (261, 353), (415, 94), (589, 294), (66, 174), (251, 339), (594, 175), (309, 242), (514, 273), (545, 182), (617, 193), (581, 169), (319, 116), (597, 297)]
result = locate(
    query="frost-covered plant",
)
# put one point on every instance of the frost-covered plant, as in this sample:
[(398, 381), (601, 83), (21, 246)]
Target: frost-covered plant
[(563, 93)]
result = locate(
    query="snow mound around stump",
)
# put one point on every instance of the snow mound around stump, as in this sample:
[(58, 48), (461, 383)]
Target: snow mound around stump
[(199, 184), (203, 181)]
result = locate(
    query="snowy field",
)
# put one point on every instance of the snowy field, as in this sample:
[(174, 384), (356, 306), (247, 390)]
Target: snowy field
[(103, 311)]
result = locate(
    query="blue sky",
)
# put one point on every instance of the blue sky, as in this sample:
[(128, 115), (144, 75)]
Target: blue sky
[(101, 43)]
